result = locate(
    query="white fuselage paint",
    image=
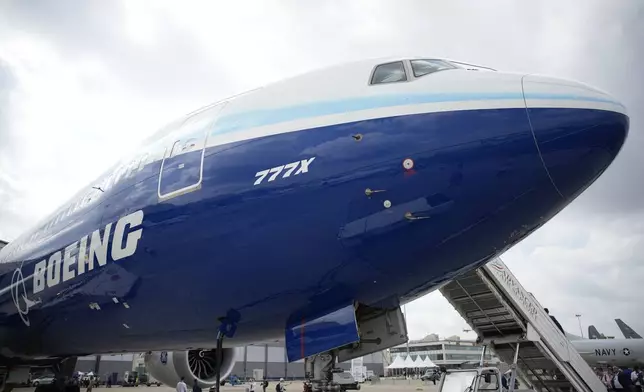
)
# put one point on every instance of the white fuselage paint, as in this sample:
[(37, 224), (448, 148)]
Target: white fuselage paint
[(614, 352)]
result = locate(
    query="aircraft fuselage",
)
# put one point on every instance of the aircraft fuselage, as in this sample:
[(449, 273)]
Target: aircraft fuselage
[(612, 352), (309, 193)]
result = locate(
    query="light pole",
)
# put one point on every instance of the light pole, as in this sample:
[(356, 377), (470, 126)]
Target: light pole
[(580, 329), (405, 313)]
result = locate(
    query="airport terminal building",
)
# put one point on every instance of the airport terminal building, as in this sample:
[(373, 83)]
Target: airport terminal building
[(109, 364), (452, 352), (271, 361), (251, 361)]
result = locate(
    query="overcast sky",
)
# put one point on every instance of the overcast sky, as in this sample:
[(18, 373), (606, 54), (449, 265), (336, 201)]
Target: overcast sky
[(81, 82)]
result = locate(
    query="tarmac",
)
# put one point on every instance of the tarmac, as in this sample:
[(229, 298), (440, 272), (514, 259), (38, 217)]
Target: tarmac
[(294, 386)]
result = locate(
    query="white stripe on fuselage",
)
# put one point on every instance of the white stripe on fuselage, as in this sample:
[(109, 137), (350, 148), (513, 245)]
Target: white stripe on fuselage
[(215, 139)]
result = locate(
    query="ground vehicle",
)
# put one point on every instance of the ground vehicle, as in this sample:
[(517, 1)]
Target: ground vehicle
[(345, 380), (42, 380), (130, 379), (486, 379), (431, 375), (145, 379)]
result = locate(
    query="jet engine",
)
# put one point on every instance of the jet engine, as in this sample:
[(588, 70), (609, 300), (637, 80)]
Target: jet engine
[(169, 366)]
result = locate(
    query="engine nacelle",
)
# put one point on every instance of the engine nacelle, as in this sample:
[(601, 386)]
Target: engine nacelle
[(168, 367)]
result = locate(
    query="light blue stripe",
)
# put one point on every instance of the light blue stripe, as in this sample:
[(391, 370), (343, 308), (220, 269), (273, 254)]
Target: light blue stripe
[(572, 98), (251, 119)]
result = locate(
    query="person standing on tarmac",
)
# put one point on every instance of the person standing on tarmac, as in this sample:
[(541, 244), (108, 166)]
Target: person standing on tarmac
[(280, 386), (636, 379), (90, 384), (621, 381), (181, 385), (264, 384), (195, 386), (625, 379)]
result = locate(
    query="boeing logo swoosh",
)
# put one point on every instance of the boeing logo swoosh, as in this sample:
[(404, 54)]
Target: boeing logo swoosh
[(19, 295)]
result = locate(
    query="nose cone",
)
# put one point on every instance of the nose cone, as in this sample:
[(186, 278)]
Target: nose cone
[(578, 129)]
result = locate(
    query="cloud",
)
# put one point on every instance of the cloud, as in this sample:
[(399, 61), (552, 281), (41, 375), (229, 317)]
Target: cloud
[(10, 193), (433, 314), (82, 82), (597, 277), (7, 84), (114, 36)]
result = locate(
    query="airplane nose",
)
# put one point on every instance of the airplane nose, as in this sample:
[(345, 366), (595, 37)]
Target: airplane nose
[(579, 130)]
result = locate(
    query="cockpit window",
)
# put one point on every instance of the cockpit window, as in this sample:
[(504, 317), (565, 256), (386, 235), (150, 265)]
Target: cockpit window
[(424, 67), (389, 73)]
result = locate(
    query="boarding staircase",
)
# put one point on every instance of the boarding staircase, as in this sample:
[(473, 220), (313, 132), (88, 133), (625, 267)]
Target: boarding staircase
[(505, 315)]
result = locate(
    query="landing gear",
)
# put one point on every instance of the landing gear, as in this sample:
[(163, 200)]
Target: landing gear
[(227, 328), (64, 381), (319, 370), (376, 329), (220, 359)]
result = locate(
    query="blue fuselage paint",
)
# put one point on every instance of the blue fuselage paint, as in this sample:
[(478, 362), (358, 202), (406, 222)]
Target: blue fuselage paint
[(311, 241)]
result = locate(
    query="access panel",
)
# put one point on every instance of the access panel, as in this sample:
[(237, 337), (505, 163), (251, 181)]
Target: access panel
[(182, 166)]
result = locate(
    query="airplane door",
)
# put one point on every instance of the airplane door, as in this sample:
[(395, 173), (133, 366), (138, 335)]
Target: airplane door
[(182, 166)]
